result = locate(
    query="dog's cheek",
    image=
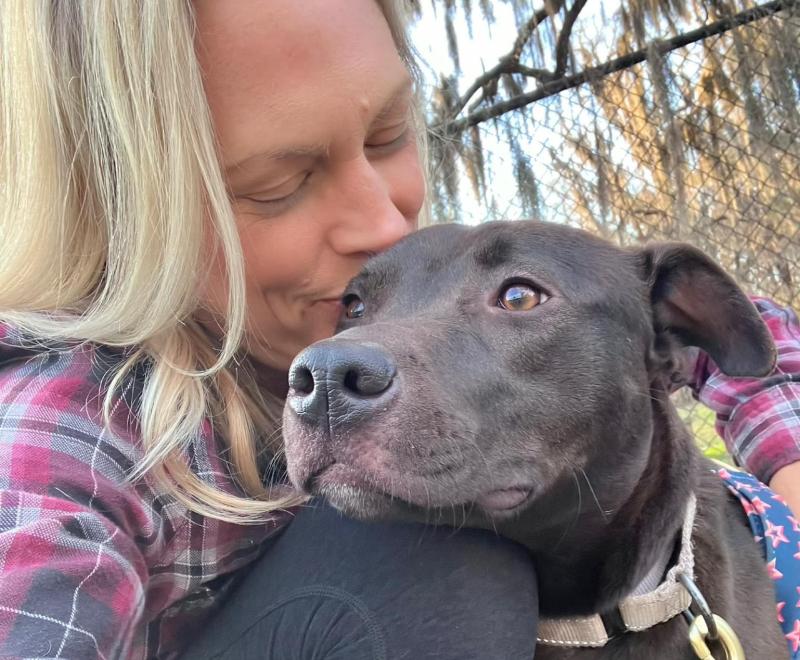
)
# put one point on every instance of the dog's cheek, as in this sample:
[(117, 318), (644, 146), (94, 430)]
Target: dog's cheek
[(589, 384)]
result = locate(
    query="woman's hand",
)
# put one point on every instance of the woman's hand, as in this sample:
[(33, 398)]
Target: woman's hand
[(786, 482)]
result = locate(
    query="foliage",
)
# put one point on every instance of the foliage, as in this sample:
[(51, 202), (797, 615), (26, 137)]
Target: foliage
[(700, 421)]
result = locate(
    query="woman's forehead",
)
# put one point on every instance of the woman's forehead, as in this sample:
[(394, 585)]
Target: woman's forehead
[(284, 65)]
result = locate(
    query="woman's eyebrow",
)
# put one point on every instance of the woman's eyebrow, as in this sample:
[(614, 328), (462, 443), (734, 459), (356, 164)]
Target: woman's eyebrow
[(318, 150), (280, 154), (400, 92)]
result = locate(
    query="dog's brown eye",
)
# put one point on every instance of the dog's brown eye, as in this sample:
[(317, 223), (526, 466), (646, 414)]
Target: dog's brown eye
[(520, 298), (354, 307)]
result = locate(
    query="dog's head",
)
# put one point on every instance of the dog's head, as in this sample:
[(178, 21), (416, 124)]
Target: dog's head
[(479, 366)]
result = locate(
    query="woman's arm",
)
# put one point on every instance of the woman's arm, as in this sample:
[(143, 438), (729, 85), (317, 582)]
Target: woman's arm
[(72, 575), (786, 482), (71, 584), (759, 418)]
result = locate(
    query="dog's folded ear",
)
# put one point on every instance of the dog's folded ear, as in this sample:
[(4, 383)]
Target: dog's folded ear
[(696, 301)]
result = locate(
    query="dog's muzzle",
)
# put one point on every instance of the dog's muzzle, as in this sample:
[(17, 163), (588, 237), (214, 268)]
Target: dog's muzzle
[(340, 383)]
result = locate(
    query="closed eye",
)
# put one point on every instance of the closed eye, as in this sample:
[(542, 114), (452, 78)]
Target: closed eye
[(275, 200), (389, 139)]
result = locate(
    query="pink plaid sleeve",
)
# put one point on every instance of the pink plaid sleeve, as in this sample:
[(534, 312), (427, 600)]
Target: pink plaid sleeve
[(759, 418), (72, 584), (72, 579)]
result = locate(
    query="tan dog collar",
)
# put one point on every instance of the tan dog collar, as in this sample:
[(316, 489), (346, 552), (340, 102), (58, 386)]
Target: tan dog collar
[(638, 612)]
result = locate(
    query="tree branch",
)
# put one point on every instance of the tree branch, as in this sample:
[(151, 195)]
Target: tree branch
[(509, 63), (551, 8), (562, 44), (554, 86)]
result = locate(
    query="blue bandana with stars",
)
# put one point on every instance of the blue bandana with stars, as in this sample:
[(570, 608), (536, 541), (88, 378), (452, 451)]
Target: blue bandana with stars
[(778, 534)]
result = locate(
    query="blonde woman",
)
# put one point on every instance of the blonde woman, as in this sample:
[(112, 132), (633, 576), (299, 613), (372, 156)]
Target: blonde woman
[(186, 187)]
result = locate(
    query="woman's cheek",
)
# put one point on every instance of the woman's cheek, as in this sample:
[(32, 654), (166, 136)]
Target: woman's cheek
[(275, 252), (407, 183)]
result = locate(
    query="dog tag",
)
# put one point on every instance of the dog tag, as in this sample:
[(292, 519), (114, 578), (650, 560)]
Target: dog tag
[(698, 631)]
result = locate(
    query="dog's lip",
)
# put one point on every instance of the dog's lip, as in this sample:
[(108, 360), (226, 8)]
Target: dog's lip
[(337, 474), (499, 501), (504, 499)]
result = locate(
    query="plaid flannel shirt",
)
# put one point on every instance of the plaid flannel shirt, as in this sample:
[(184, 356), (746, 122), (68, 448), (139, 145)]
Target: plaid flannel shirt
[(759, 418), (93, 566)]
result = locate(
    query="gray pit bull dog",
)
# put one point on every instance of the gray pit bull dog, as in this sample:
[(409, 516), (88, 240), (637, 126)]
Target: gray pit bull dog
[(516, 377)]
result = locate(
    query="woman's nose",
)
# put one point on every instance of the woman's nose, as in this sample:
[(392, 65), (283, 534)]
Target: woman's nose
[(367, 217)]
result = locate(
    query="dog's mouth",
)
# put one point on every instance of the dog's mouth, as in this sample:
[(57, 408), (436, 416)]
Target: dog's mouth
[(337, 479), (336, 475)]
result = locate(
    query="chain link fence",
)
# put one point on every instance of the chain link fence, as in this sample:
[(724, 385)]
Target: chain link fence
[(699, 143)]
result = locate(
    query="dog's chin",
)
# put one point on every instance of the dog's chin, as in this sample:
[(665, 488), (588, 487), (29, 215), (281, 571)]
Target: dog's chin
[(370, 505), (365, 504), (366, 496)]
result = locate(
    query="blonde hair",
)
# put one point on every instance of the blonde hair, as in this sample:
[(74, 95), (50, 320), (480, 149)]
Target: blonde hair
[(109, 183)]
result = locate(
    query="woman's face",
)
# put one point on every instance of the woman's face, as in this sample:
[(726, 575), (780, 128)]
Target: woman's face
[(311, 106)]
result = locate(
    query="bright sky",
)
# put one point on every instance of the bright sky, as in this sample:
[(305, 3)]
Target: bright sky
[(481, 49)]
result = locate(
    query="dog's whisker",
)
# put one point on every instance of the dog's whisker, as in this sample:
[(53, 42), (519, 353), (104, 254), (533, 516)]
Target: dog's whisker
[(569, 527), (482, 455), (427, 500), (453, 518), (494, 526), (594, 495)]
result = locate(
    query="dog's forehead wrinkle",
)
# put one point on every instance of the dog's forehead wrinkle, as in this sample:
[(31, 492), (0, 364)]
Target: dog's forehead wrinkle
[(374, 278), (419, 294), (494, 252), (402, 282), (569, 261)]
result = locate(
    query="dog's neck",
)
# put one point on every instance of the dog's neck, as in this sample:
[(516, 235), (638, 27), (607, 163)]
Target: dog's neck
[(597, 551)]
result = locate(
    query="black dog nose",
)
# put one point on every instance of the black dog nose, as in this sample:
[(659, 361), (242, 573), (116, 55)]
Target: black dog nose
[(340, 382)]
